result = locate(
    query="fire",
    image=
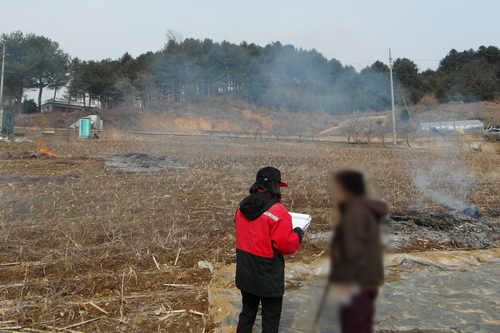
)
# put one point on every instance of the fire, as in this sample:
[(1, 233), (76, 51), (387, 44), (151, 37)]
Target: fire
[(44, 150)]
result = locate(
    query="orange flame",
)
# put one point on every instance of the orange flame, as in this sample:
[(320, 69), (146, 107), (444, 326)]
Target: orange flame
[(44, 150)]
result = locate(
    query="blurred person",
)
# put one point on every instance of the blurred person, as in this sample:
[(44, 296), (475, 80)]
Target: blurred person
[(356, 250), (264, 234)]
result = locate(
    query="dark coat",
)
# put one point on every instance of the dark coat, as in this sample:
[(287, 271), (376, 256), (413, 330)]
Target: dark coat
[(356, 249)]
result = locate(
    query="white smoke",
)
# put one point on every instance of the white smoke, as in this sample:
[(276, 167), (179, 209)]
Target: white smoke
[(445, 180)]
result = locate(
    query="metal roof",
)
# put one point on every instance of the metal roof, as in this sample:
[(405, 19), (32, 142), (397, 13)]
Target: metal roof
[(465, 125), (64, 103)]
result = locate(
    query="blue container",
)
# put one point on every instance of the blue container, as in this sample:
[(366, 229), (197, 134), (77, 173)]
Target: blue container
[(6, 121), (85, 126)]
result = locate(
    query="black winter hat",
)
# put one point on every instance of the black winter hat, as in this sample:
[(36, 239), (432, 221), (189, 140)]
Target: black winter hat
[(270, 174)]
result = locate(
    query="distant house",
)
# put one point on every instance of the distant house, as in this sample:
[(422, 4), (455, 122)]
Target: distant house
[(451, 126), (61, 105)]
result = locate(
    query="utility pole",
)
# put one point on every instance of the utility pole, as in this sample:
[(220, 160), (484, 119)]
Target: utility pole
[(1, 79), (454, 118), (394, 140)]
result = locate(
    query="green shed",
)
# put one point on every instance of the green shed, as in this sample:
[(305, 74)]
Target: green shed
[(7, 121)]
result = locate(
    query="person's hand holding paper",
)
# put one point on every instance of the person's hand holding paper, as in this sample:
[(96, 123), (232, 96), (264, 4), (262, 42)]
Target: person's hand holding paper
[(301, 221)]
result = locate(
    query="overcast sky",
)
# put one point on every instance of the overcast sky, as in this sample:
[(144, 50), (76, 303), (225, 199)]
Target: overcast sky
[(357, 32)]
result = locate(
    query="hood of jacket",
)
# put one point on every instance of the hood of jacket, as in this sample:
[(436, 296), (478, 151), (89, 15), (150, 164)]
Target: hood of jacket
[(378, 208), (256, 204)]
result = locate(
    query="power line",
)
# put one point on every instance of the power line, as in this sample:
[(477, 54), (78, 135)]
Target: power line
[(434, 52), (365, 62)]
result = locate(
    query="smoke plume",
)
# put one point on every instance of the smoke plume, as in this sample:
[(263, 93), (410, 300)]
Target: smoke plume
[(445, 180)]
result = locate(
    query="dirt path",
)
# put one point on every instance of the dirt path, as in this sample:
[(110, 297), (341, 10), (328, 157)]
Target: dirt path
[(439, 291)]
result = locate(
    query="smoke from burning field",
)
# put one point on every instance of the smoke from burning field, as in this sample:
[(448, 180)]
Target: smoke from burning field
[(447, 182), (442, 177)]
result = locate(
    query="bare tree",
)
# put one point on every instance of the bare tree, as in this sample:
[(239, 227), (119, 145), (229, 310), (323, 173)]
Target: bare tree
[(148, 90), (311, 128), (298, 127), (127, 90), (478, 110), (256, 126), (352, 129), (236, 119), (213, 125), (368, 129), (317, 122), (283, 125), (213, 121), (381, 131), (278, 129), (174, 36), (406, 131)]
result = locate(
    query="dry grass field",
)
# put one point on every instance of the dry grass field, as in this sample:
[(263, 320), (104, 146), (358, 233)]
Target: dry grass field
[(87, 249)]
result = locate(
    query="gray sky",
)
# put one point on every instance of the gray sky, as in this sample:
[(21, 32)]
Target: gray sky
[(357, 32)]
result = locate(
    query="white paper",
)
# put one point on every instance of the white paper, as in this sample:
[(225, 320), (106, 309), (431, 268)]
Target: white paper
[(301, 221)]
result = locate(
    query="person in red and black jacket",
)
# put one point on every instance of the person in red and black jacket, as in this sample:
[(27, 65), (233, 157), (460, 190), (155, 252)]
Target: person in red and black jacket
[(264, 234)]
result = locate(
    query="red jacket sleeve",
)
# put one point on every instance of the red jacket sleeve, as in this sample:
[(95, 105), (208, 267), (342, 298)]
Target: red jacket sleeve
[(284, 240)]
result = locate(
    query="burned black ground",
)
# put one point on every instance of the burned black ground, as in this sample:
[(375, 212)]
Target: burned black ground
[(445, 229), (137, 162)]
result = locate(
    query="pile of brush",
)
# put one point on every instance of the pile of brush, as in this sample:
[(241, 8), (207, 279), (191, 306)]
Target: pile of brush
[(24, 155)]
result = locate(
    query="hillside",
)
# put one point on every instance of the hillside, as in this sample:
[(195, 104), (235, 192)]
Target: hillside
[(235, 120), (234, 115)]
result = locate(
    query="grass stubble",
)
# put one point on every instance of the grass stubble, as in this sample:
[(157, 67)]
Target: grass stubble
[(83, 248)]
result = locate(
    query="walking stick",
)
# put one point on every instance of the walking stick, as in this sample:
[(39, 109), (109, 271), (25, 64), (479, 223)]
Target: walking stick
[(320, 308)]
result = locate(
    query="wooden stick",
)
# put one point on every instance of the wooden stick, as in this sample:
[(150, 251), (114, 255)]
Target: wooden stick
[(26, 329), (196, 313), (179, 285), (123, 299), (202, 315), (82, 323), (99, 308), (177, 258), (320, 308), (10, 328), (171, 314), (47, 322), (54, 329), (11, 264), (156, 262), (11, 286), (81, 303)]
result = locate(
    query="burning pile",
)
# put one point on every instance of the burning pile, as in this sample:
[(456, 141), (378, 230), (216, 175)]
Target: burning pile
[(42, 152)]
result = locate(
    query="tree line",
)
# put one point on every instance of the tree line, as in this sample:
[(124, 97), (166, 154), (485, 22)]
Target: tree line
[(274, 76)]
